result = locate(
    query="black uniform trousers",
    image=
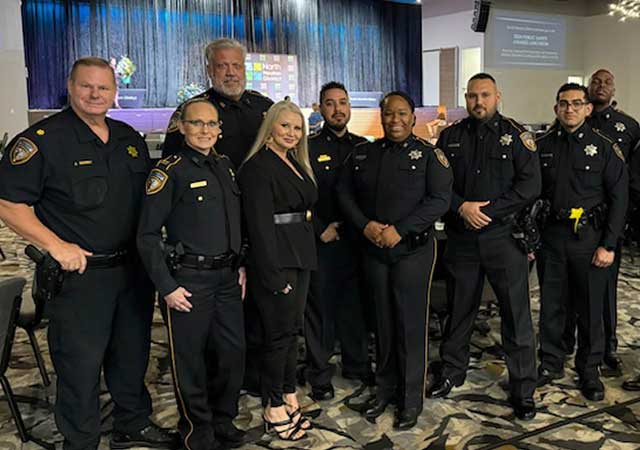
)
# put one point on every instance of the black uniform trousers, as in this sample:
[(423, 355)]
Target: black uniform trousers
[(281, 316), (207, 353), (400, 291), (254, 336), (334, 308), (610, 311), (469, 257), (564, 266), (100, 319)]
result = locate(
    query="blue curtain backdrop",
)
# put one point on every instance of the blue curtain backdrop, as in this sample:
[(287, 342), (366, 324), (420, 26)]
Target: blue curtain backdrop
[(367, 44)]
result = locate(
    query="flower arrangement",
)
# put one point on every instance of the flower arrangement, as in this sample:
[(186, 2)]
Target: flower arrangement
[(189, 90), (125, 70)]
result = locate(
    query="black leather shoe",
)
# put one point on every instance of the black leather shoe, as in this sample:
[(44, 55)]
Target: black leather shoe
[(524, 409), (151, 436), (406, 419), (440, 388), (320, 393), (229, 434), (546, 376), (612, 360), (592, 389), (632, 384), (375, 408)]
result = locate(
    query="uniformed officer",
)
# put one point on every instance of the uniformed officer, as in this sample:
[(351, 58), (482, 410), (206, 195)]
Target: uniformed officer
[(496, 173), (633, 384), (334, 305), (241, 110), (84, 174), (194, 194), (624, 131), (393, 191), (585, 181)]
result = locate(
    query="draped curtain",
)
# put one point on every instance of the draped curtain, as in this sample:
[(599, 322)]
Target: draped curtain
[(368, 45)]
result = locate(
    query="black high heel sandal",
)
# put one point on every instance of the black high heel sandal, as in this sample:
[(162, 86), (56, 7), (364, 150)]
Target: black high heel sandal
[(287, 434), (304, 423)]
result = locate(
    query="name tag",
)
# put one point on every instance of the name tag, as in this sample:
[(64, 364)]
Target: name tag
[(455, 144), (84, 162), (198, 184), (360, 157)]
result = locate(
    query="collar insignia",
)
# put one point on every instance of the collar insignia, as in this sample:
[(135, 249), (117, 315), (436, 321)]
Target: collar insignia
[(506, 139), (415, 154), (591, 150)]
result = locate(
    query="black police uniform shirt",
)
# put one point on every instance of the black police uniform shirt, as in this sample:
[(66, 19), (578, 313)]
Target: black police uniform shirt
[(240, 123), (405, 184), (328, 154), (87, 192), (492, 160), (584, 169), (618, 126), (197, 199)]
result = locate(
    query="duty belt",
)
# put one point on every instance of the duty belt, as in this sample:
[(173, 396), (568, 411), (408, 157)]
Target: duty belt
[(596, 216), (203, 262), (294, 217), (106, 260)]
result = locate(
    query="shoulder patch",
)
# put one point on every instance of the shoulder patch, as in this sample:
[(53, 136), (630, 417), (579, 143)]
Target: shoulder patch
[(22, 151), (529, 141), (156, 181), (173, 122), (441, 157), (618, 151), (168, 162)]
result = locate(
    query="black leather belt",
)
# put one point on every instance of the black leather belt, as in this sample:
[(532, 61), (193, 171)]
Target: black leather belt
[(202, 262), (295, 217), (104, 261)]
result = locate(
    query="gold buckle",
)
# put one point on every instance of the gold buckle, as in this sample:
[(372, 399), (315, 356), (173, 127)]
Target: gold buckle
[(308, 215)]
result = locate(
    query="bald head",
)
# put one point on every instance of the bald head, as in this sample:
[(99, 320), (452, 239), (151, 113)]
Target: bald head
[(602, 88)]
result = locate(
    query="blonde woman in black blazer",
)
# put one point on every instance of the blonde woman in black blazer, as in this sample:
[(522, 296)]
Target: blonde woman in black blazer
[(278, 192)]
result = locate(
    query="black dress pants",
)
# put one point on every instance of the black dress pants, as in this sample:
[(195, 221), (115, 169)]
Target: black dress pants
[(334, 309), (610, 311), (281, 316), (207, 353), (400, 290), (100, 320), (469, 257), (564, 266)]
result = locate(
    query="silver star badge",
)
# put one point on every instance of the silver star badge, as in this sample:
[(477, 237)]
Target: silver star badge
[(620, 127), (591, 150), (415, 154), (506, 139)]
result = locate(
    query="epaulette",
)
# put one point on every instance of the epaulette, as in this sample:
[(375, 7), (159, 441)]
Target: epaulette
[(616, 148), (366, 141), (314, 135), (457, 122), (625, 114), (515, 124), (168, 162), (252, 92), (550, 131), (424, 142)]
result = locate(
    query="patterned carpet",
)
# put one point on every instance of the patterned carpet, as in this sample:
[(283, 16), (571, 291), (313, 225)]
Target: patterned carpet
[(475, 416)]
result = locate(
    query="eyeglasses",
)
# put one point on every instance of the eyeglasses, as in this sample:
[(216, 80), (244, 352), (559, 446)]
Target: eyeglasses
[(201, 124), (575, 104)]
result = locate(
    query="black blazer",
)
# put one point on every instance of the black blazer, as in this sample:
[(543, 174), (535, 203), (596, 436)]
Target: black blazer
[(270, 187)]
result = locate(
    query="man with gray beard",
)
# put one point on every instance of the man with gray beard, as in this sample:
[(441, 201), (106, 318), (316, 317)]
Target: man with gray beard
[(241, 110)]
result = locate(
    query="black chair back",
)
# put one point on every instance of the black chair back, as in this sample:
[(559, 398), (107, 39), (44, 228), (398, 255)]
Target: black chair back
[(10, 299)]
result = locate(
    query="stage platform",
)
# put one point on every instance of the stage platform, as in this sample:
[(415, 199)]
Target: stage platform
[(364, 121)]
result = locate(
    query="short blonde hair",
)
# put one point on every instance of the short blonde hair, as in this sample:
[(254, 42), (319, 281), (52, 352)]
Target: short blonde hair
[(301, 151)]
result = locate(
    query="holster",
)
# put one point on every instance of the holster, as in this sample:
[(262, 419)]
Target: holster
[(49, 276)]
